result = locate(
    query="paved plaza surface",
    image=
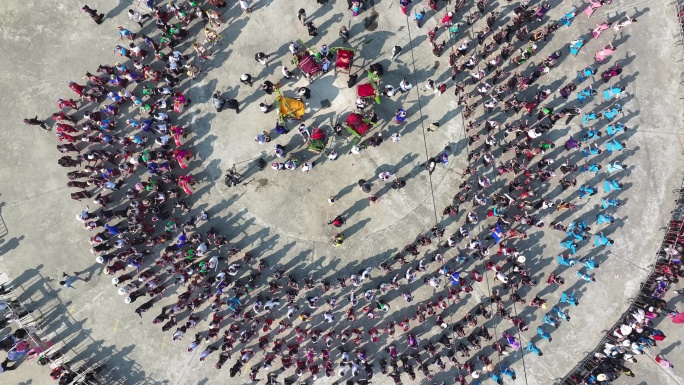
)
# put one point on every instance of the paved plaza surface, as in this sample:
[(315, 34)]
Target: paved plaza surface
[(282, 216)]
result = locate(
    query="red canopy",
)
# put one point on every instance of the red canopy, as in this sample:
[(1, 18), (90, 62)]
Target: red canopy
[(308, 65), (344, 58), (366, 90), (356, 123)]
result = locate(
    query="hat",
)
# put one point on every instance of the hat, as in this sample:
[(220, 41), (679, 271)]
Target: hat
[(128, 300), (115, 281), (602, 377), (244, 77), (450, 14), (521, 259), (122, 290), (475, 374)]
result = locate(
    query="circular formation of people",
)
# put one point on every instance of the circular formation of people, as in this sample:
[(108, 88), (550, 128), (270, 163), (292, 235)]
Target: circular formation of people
[(248, 313)]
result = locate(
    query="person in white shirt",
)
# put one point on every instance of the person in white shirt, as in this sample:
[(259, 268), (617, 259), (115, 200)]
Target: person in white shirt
[(160, 116), (533, 133), (429, 85), (389, 91), (161, 103), (405, 86), (137, 17), (294, 47), (202, 249), (303, 131), (270, 304), (385, 176), (244, 4), (135, 49)]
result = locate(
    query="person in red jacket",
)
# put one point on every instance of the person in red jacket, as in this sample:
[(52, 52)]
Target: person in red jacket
[(338, 221)]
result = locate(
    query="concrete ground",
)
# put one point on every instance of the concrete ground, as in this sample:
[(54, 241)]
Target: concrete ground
[(282, 216)]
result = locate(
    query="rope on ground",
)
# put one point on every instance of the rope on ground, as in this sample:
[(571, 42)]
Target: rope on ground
[(422, 117)]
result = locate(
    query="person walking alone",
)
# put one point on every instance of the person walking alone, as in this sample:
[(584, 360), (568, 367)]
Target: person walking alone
[(301, 16), (36, 122), (93, 14), (70, 279), (396, 51)]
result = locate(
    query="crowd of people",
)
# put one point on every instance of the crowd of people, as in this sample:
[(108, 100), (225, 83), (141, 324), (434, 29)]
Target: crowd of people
[(243, 308)]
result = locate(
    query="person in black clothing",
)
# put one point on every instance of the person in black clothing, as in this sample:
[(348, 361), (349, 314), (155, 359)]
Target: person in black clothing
[(398, 184), (268, 87), (144, 307), (93, 14), (261, 58), (36, 122), (313, 31), (376, 69), (233, 104), (352, 80)]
